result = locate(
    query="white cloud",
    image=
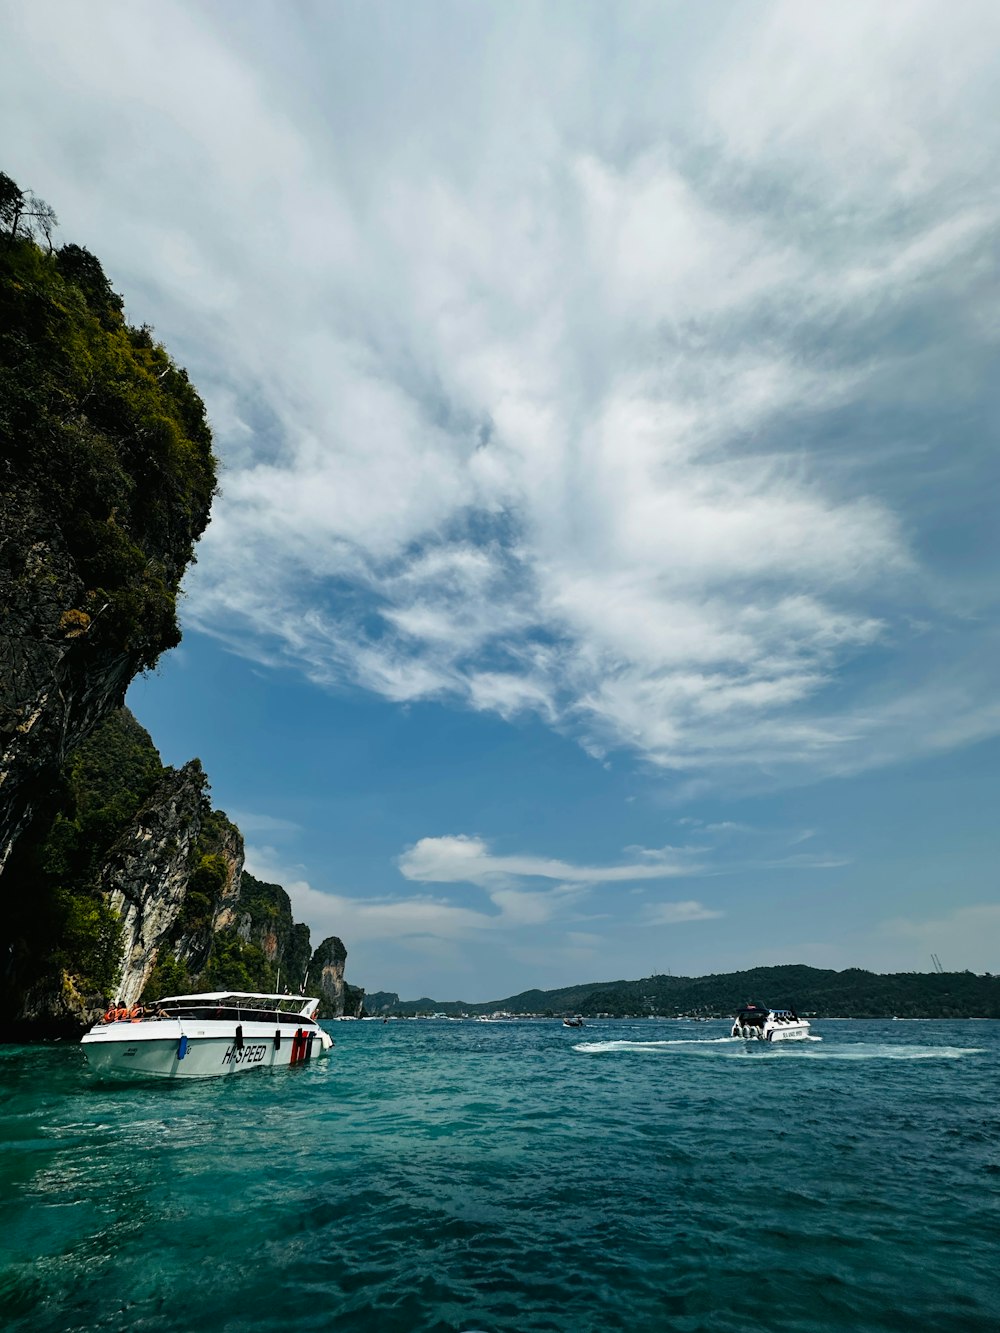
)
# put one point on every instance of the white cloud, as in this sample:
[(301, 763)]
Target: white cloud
[(461, 859), (515, 913), (365, 919), (804, 861), (537, 412), (272, 825), (674, 914)]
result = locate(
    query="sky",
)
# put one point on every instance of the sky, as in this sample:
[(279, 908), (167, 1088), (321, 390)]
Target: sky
[(603, 579)]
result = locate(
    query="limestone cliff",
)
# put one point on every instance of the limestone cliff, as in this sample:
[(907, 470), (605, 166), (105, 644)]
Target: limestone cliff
[(117, 875), (147, 876), (135, 889), (106, 479), (59, 674), (263, 919), (327, 968)]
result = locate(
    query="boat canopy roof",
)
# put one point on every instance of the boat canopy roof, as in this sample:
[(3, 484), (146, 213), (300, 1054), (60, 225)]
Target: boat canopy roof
[(764, 1011), (305, 1001)]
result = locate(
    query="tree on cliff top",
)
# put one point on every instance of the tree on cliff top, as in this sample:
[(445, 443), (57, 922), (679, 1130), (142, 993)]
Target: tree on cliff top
[(23, 214)]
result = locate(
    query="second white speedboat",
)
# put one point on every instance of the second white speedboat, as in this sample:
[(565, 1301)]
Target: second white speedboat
[(206, 1035), (755, 1022)]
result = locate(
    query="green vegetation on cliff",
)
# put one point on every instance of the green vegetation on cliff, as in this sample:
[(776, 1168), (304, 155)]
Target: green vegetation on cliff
[(63, 924), (106, 481), (111, 863), (260, 949), (100, 431), (229, 929)]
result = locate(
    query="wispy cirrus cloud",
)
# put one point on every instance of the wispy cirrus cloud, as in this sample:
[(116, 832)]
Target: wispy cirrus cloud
[(367, 919), (677, 913), (457, 895), (514, 905), (803, 861), (271, 826), (632, 423)]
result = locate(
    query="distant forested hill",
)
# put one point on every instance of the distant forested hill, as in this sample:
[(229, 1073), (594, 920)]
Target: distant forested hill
[(852, 993)]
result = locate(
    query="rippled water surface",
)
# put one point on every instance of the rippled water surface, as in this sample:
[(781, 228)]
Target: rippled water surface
[(515, 1176)]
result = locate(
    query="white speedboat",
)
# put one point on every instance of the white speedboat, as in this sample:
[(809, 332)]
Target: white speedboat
[(201, 1036), (755, 1022)]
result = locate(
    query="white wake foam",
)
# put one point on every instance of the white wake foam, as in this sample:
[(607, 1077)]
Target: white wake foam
[(801, 1050), (883, 1052), (600, 1047)]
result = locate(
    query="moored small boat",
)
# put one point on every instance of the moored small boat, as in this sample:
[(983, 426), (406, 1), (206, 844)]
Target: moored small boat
[(755, 1022), (205, 1035)]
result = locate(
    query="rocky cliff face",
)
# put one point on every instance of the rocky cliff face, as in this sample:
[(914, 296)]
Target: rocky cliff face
[(147, 880), (262, 917), (137, 890), (117, 875), (327, 974), (59, 673), (326, 977), (153, 881), (106, 480)]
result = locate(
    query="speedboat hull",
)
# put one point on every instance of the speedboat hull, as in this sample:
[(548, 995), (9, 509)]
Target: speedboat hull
[(168, 1048), (788, 1032)]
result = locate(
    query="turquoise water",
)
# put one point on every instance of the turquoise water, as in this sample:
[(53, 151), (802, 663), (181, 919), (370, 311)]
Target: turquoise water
[(440, 1176)]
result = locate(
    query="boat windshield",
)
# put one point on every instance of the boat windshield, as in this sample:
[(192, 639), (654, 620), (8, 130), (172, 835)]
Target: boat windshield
[(753, 1015), (290, 1009)]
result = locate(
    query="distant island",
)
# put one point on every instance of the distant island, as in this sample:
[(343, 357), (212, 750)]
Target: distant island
[(812, 991)]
